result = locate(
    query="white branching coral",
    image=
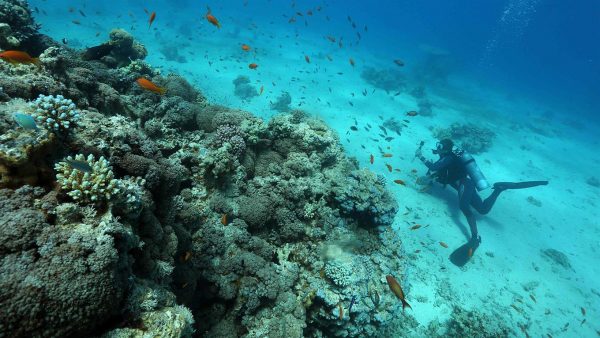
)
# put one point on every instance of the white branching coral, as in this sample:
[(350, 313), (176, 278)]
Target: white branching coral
[(87, 181), (55, 113)]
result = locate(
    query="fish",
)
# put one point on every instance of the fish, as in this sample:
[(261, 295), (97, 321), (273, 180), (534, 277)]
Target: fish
[(399, 62), (262, 88), (415, 227), (245, 47), (82, 13), (372, 159), (15, 56), (76, 22), (397, 290), (341, 311), (306, 58), (351, 60), (151, 20), (412, 113), (583, 311), (25, 121), (352, 300), (224, 219), (417, 251), (353, 128), (82, 166), (389, 167), (253, 66), (389, 138), (532, 298), (211, 18), (387, 155), (401, 182), (186, 256), (444, 245), (150, 86)]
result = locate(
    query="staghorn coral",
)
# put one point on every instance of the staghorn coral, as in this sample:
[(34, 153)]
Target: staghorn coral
[(96, 186)]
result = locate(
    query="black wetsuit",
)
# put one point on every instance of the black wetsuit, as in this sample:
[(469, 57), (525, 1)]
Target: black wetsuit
[(450, 170)]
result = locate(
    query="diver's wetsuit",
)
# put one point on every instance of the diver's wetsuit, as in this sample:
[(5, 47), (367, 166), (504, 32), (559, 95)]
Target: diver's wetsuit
[(450, 170)]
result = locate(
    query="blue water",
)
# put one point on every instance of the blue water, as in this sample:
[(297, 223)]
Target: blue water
[(515, 60)]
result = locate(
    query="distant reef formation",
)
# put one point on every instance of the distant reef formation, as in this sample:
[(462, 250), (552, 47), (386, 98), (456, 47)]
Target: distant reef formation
[(125, 212)]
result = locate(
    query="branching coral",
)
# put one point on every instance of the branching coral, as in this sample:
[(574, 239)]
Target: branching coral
[(230, 135), (87, 181), (55, 113)]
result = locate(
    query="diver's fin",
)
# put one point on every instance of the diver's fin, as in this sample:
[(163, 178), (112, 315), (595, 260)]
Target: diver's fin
[(518, 185), (463, 254)]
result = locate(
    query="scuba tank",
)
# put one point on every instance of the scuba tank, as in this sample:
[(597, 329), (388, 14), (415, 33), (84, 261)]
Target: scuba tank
[(473, 170)]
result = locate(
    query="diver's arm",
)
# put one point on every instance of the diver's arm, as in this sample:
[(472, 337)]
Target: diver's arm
[(440, 164)]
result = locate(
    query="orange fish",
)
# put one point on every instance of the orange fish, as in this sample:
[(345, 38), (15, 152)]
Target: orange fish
[(415, 227), (253, 66), (352, 62), (397, 290), (262, 88), (387, 155), (389, 167), (372, 159), (152, 17), (307, 58), (444, 245), (224, 219), (245, 47), (401, 182), (211, 18), (412, 113), (150, 86), (186, 256), (14, 57)]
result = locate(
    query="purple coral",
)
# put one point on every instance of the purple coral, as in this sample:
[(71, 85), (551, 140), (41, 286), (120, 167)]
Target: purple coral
[(232, 135)]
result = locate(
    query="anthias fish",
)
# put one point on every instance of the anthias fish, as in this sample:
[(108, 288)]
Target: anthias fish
[(151, 20), (150, 86), (397, 290), (15, 56), (211, 18)]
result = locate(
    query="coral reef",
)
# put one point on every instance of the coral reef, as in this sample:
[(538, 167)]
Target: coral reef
[(16, 24), (469, 137), (182, 212), (282, 103), (463, 323), (243, 89), (119, 51), (390, 80)]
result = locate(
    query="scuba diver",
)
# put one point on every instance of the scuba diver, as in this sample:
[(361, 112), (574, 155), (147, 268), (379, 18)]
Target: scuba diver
[(458, 169)]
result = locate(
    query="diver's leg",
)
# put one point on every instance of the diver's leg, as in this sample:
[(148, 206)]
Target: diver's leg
[(466, 191), (483, 207)]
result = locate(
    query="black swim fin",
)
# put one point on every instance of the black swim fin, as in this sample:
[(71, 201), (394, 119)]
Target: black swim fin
[(463, 254), (518, 185)]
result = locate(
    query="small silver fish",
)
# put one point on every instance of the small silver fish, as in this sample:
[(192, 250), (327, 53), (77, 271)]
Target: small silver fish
[(82, 166), (25, 121)]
